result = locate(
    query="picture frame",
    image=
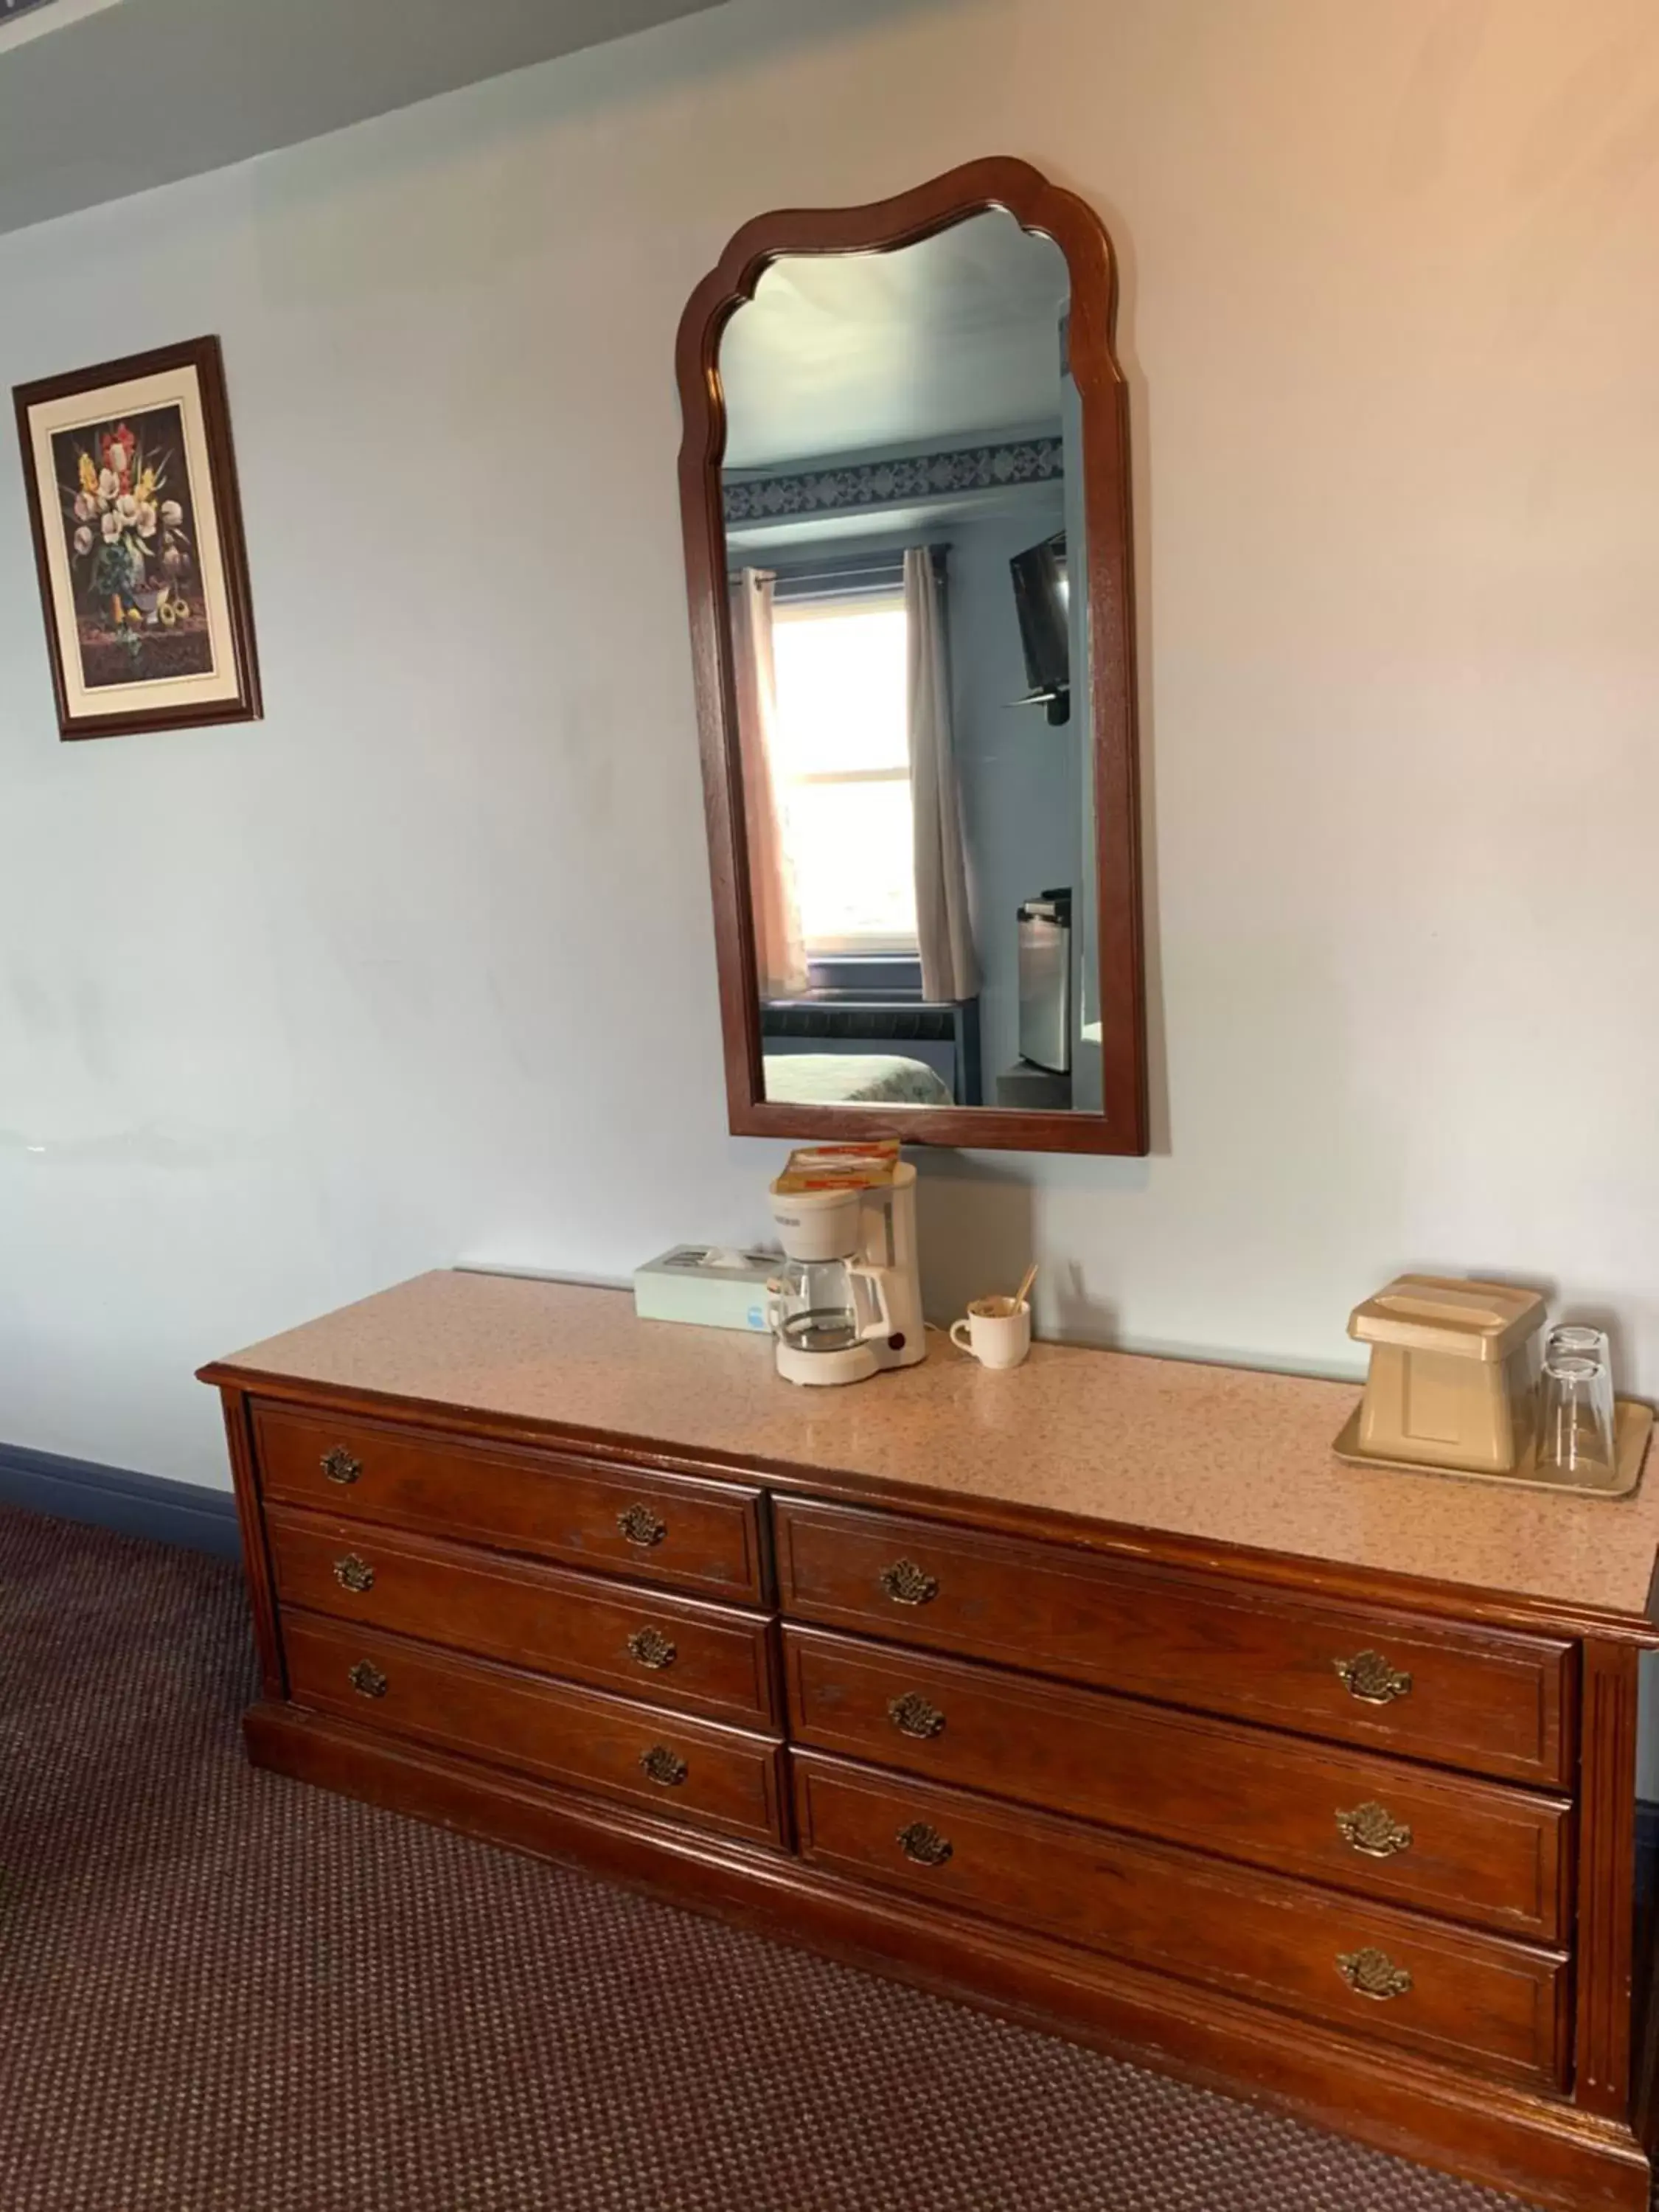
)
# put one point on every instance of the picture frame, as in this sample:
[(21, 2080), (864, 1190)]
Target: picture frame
[(133, 502)]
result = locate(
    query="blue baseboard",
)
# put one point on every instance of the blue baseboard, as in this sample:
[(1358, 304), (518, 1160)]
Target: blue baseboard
[(183, 1513)]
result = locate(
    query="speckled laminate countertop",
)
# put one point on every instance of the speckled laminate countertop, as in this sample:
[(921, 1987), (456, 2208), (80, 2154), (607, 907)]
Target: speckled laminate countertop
[(1222, 1455)]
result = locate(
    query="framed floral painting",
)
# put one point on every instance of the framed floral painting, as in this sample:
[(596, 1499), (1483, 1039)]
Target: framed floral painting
[(132, 496)]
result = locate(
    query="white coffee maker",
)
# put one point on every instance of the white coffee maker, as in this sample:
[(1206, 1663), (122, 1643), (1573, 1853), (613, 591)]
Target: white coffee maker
[(847, 1302)]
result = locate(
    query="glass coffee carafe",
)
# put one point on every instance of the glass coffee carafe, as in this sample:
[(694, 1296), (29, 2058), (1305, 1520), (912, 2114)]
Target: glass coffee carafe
[(824, 1305)]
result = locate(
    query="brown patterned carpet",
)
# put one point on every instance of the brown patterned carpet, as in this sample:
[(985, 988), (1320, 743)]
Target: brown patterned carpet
[(222, 1992)]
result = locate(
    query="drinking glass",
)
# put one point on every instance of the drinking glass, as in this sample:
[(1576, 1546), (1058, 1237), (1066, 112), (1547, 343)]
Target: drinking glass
[(1571, 1340), (1575, 1417)]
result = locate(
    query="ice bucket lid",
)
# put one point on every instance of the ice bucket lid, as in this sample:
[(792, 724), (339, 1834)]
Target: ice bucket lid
[(1439, 1313)]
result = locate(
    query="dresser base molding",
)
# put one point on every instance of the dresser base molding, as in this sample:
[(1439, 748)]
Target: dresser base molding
[(1536, 2146)]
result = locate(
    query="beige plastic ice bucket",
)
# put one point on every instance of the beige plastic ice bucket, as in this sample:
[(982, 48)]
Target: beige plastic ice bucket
[(1454, 1372)]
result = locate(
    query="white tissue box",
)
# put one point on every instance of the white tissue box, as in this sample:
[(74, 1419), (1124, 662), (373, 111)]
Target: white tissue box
[(706, 1285)]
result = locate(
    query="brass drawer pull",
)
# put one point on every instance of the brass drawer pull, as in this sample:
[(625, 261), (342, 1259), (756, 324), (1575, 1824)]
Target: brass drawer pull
[(339, 1466), (924, 1845), (642, 1526), (906, 1584), (1371, 1829), (353, 1574), (1369, 1677), (912, 1715), (367, 1679), (664, 1765), (652, 1649), (1372, 1974)]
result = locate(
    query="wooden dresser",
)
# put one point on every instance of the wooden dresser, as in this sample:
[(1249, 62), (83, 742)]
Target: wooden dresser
[(1099, 1693)]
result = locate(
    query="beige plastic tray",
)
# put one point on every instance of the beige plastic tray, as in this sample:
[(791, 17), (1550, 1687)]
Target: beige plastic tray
[(1633, 1426)]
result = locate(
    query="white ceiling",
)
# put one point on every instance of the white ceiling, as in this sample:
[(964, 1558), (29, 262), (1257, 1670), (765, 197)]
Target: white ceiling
[(233, 78), (953, 338), (33, 19)]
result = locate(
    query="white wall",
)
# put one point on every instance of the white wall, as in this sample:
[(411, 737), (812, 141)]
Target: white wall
[(422, 966)]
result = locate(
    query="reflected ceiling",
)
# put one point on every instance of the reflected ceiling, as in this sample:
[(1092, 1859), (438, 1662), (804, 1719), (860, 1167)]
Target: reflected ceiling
[(956, 336)]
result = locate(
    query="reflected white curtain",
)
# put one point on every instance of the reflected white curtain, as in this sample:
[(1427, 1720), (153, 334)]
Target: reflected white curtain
[(949, 968), (780, 948)]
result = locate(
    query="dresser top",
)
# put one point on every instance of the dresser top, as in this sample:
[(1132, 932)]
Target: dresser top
[(1219, 1455)]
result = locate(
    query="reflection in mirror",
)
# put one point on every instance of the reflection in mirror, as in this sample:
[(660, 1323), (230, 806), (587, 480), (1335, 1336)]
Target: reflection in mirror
[(905, 541)]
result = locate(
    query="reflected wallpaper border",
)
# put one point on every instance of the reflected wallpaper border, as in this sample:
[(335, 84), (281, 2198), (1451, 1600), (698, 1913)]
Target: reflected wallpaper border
[(879, 483)]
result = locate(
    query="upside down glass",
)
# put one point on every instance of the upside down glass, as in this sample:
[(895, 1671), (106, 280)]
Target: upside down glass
[(1575, 1434), (1573, 1341)]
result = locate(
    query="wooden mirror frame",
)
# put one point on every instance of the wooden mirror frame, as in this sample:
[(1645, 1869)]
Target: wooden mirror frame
[(1023, 193)]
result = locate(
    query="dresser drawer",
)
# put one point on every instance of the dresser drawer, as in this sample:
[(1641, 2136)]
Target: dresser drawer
[(1380, 1975), (1480, 1698), (677, 1651), (689, 1769), (702, 1536), (1477, 1851)]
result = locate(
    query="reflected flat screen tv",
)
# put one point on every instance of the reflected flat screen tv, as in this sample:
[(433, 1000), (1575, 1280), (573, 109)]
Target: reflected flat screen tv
[(1040, 602)]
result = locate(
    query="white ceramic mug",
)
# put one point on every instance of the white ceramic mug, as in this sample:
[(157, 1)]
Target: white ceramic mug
[(996, 1331)]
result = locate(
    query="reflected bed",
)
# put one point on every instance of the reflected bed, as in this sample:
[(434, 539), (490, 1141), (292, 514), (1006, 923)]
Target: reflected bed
[(837, 1078)]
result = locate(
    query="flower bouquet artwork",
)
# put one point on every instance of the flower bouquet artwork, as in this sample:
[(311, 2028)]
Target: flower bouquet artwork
[(138, 542), (131, 550)]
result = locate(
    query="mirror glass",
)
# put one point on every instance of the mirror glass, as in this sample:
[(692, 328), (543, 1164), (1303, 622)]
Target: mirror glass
[(905, 541)]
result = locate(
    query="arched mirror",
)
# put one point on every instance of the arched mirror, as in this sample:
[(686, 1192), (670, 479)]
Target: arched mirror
[(905, 488)]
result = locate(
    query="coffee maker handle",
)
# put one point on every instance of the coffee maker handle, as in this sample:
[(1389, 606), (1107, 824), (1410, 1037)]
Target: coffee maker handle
[(859, 1271)]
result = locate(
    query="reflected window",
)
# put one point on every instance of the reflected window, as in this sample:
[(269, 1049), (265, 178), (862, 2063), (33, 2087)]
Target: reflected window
[(843, 761)]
